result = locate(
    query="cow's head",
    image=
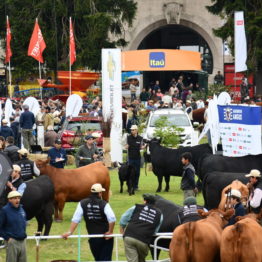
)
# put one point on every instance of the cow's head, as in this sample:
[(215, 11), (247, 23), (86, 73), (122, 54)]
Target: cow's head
[(41, 164), (217, 214)]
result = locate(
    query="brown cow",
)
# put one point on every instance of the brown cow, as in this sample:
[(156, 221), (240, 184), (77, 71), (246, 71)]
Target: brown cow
[(72, 185), (242, 241), (236, 184), (199, 241)]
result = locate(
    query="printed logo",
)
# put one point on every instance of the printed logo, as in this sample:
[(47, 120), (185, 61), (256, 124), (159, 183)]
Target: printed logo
[(157, 59), (240, 22), (228, 114)]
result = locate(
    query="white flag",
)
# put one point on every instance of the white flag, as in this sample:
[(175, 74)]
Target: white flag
[(240, 43)]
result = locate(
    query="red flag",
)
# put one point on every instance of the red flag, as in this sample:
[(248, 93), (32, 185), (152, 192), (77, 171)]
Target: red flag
[(72, 46), (37, 44), (8, 51)]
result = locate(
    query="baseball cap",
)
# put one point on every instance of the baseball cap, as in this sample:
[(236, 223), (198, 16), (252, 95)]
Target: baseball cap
[(134, 127), (89, 137), (23, 151), (97, 188), (254, 173), (190, 201), (236, 193), (58, 141), (14, 194), (150, 198), (4, 121), (17, 168)]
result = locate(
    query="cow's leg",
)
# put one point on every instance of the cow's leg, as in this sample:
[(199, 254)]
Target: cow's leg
[(61, 205), (40, 223), (48, 217), (56, 210), (160, 178), (167, 179), (121, 186)]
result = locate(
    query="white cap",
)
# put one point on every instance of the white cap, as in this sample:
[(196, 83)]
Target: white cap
[(17, 168), (23, 151), (134, 127), (4, 121), (97, 188), (13, 194), (236, 193), (254, 173)]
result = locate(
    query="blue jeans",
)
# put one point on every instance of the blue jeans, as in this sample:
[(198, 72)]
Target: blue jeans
[(136, 164)]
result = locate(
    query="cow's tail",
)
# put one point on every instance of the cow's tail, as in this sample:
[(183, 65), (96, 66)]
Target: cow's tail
[(190, 228), (237, 232)]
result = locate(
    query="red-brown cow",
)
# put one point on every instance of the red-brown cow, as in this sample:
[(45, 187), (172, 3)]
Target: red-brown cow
[(236, 184), (199, 241), (242, 242), (73, 185)]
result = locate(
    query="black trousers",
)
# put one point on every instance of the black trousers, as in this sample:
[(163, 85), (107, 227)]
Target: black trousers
[(101, 248)]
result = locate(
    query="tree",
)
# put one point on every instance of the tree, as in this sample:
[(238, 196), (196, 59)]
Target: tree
[(97, 24), (253, 21)]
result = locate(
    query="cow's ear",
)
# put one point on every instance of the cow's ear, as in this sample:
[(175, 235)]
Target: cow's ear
[(238, 218), (202, 213), (229, 213)]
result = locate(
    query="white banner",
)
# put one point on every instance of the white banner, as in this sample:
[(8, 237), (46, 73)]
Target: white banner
[(240, 42), (112, 99), (240, 130)]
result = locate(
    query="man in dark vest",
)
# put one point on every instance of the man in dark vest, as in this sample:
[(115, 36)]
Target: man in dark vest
[(11, 150), (138, 224), (28, 167), (100, 219), (189, 212), (255, 191)]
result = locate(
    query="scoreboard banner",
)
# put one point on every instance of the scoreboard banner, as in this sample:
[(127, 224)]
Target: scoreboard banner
[(240, 130)]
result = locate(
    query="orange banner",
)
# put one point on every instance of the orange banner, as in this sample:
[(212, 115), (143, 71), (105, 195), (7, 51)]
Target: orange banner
[(161, 60)]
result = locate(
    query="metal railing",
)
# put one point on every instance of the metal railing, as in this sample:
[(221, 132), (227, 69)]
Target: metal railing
[(115, 236)]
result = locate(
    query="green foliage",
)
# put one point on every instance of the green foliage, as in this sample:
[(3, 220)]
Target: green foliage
[(217, 89), (93, 20), (168, 133), (253, 21)]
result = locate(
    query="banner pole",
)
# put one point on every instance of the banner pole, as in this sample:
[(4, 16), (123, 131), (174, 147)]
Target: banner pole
[(10, 80), (40, 76), (70, 81)]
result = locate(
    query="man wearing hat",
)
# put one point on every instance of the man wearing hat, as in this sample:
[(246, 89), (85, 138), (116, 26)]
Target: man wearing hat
[(133, 146), (255, 190), (235, 201), (100, 219), (189, 212), (13, 228), (27, 120), (138, 225), (5, 130), (87, 153), (15, 182), (28, 167), (57, 155)]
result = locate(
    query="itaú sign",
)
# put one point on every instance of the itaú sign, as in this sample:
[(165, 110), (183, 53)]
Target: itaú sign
[(160, 60)]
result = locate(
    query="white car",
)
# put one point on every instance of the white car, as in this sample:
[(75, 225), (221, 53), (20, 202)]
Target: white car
[(174, 117)]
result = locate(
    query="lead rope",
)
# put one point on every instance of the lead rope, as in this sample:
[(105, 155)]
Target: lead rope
[(79, 243)]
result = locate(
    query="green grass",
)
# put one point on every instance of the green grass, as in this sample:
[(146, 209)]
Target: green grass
[(67, 249)]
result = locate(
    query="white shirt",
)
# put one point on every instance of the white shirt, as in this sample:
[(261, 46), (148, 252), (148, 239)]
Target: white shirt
[(257, 197), (107, 210)]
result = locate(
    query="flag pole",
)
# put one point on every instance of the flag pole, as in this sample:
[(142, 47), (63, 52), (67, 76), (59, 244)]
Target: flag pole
[(70, 75), (10, 80), (40, 77)]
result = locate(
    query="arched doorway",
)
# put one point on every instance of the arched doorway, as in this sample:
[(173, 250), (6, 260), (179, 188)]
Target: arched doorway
[(176, 37)]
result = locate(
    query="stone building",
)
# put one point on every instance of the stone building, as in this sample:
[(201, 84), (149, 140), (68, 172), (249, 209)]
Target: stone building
[(177, 24)]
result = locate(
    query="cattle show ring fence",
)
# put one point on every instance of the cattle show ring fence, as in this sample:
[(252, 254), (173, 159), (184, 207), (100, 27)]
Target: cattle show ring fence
[(116, 237)]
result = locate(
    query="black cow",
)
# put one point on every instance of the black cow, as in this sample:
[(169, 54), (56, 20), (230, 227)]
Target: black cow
[(215, 182), (38, 200), (244, 164), (126, 173), (170, 219), (166, 162)]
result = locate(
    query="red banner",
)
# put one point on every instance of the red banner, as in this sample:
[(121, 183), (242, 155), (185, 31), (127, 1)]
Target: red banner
[(8, 51), (37, 44), (72, 46)]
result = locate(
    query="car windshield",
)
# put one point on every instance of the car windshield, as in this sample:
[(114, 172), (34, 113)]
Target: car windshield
[(177, 120), (83, 126)]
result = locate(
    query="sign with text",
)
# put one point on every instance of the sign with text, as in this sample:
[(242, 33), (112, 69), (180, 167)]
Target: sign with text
[(240, 130)]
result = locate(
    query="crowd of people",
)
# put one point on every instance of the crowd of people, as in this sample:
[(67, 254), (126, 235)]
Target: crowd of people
[(140, 222)]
